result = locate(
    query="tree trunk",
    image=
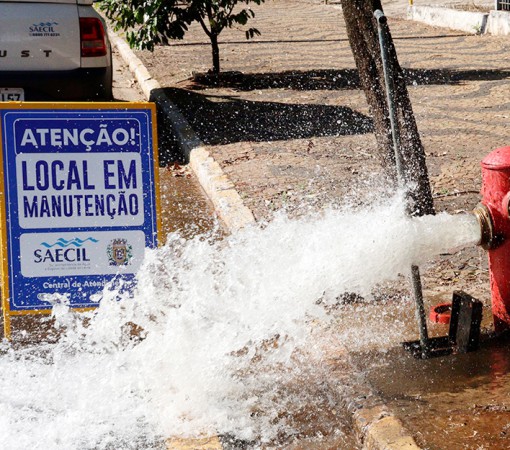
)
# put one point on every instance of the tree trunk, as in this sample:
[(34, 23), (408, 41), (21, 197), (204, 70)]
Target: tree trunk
[(215, 53), (364, 40)]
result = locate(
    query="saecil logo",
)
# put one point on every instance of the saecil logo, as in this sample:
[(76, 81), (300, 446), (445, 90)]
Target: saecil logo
[(64, 251), (44, 29)]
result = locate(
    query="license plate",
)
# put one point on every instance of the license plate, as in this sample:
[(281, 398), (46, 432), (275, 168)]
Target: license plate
[(12, 95)]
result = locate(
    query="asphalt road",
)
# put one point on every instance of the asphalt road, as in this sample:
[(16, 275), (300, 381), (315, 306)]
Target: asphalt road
[(125, 87)]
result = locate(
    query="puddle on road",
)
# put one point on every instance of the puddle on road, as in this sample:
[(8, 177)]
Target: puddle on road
[(458, 402), (184, 206)]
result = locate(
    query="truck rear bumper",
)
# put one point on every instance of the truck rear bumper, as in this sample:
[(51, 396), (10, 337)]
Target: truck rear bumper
[(79, 84)]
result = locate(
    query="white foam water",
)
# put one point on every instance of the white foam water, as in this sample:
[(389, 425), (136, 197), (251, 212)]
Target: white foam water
[(211, 333)]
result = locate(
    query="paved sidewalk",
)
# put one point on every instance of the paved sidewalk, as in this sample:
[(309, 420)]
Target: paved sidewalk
[(291, 128), (299, 79)]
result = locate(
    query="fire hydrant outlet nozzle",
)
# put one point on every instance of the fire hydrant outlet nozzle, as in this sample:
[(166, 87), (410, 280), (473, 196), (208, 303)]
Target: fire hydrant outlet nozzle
[(487, 235)]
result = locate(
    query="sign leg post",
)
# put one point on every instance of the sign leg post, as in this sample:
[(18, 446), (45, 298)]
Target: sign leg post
[(7, 325)]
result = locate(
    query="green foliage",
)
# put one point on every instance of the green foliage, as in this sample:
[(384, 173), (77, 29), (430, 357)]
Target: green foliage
[(151, 22)]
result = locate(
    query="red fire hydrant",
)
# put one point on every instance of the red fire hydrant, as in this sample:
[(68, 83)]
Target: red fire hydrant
[(494, 217)]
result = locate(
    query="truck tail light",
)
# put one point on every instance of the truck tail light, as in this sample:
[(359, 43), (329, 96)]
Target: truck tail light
[(92, 37)]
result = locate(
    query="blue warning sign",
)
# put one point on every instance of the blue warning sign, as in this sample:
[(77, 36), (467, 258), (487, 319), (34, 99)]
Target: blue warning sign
[(79, 200)]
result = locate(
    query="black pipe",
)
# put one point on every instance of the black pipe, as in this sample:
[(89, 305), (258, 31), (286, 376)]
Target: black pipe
[(382, 25), (390, 93)]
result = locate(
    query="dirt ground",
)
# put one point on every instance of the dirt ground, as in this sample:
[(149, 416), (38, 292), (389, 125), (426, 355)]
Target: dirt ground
[(291, 128)]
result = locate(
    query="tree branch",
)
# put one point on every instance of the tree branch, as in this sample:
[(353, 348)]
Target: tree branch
[(204, 26)]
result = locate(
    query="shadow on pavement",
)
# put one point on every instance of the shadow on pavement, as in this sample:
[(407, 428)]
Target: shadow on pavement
[(332, 79), (299, 80), (447, 76), (225, 119), (222, 119)]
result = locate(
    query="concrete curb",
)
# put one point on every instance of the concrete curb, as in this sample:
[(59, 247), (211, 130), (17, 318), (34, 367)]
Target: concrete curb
[(375, 426), (498, 23), (208, 443), (470, 22), (220, 190), (494, 22), (382, 431)]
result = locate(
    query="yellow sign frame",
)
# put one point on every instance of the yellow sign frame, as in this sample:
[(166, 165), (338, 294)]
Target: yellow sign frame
[(4, 272)]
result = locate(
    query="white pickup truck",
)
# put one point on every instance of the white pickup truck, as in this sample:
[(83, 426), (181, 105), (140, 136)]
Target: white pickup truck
[(53, 50)]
